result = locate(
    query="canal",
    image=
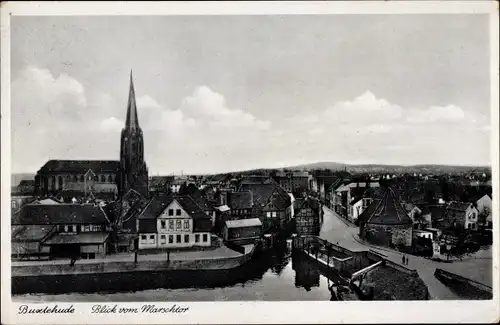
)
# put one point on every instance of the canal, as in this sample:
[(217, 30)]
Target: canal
[(277, 275)]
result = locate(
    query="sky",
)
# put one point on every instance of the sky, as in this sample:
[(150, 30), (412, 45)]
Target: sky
[(226, 93)]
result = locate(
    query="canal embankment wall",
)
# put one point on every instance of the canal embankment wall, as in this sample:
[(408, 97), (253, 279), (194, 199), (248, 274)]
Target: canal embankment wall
[(464, 287), (346, 262)]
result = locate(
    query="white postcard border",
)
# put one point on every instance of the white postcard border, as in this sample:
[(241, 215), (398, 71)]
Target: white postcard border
[(251, 312)]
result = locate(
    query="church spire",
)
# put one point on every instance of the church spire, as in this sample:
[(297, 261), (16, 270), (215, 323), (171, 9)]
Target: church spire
[(132, 119)]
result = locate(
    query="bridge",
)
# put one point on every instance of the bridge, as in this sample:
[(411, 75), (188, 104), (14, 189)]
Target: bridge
[(352, 267)]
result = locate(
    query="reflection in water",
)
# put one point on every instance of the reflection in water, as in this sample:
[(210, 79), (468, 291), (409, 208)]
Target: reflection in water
[(306, 274), (273, 276)]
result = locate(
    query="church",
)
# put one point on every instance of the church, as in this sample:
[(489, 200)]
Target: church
[(100, 179)]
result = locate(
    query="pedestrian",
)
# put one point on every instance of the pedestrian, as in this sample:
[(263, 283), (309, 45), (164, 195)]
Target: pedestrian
[(403, 259), (406, 260)]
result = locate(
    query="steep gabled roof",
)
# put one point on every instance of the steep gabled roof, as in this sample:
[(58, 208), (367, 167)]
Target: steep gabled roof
[(458, 206), (240, 200), (387, 211), (300, 204), (156, 206), (38, 214), (201, 221), (80, 166), (27, 182)]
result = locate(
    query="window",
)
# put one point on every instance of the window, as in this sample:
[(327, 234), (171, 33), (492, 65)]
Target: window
[(205, 238), (152, 237), (273, 214), (144, 237), (268, 214), (178, 225), (197, 238), (163, 239), (186, 224), (186, 238), (170, 212), (178, 212), (73, 228), (91, 256), (163, 224), (178, 239), (13, 204), (171, 225), (65, 228), (170, 239)]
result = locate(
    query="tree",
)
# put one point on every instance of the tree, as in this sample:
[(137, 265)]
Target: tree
[(419, 220), (182, 188)]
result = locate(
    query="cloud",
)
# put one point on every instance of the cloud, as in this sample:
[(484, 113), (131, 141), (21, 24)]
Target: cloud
[(36, 93), (449, 113), (366, 108), (210, 106), (111, 124), (61, 119)]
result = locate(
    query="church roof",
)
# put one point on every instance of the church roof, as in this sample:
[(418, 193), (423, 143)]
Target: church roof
[(386, 211), (80, 166)]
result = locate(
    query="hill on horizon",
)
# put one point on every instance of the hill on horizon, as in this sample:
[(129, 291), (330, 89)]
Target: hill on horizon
[(377, 168)]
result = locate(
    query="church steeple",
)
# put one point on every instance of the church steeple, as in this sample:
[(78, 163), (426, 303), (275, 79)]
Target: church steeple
[(134, 172), (132, 122)]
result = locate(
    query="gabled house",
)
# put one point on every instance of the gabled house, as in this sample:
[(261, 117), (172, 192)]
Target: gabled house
[(346, 194), (26, 186), (484, 205), (271, 204), (173, 221), (461, 215), (308, 215), (385, 222), (62, 230)]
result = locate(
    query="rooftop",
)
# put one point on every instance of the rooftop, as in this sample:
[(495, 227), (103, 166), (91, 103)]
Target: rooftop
[(80, 166), (39, 214), (387, 211), (242, 223)]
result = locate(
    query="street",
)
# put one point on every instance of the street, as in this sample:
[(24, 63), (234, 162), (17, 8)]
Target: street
[(338, 231)]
